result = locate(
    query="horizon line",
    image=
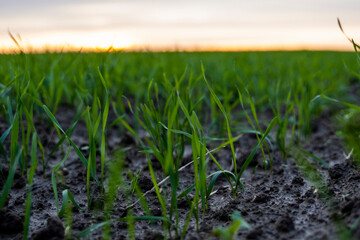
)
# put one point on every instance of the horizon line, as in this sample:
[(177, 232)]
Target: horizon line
[(177, 48)]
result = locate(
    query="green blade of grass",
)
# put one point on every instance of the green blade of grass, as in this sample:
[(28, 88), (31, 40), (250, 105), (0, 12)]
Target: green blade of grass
[(68, 132), (314, 157), (131, 130), (67, 195), (9, 180), (102, 146), (103, 81), (350, 105), (253, 111), (14, 138), (3, 153), (157, 190), (5, 134), (9, 110), (140, 195), (195, 153), (252, 154), (222, 109), (214, 176), (268, 138), (53, 179), (34, 162), (78, 152)]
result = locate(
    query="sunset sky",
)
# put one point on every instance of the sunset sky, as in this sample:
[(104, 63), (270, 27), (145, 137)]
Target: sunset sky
[(179, 25)]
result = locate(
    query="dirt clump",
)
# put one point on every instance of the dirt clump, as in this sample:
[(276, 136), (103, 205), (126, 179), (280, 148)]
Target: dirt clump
[(285, 224), (54, 230), (337, 171), (10, 222)]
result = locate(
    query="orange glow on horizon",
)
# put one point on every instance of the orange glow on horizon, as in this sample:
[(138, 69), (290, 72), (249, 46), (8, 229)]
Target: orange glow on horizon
[(69, 41), (124, 40), (111, 40), (175, 48)]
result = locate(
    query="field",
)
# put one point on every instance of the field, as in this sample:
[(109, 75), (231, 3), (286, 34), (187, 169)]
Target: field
[(203, 145)]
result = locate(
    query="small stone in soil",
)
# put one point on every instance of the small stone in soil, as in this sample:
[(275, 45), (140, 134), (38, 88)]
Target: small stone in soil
[(53, 231), (285, 224)]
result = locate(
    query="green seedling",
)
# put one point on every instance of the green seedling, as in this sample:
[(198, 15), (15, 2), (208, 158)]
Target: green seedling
[(9, 180), (34, 162), (351, 133), (230, 232)]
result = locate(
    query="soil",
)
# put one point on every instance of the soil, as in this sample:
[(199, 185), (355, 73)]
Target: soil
[(281, 203)]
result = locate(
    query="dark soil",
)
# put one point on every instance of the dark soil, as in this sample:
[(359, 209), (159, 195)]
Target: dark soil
[(278, 204)]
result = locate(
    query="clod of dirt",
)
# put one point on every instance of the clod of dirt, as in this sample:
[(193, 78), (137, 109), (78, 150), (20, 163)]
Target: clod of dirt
[(206, 228), (223, 214), (297, 181), (145, 183), (255, 234), (286, 188), (39, 205), (20, 183), (285, 224), (183, 203), (309, 194), (279, 171), (19, 201), (261, 198), (54, 230), (337, 171), (10, 222), (349, 206)]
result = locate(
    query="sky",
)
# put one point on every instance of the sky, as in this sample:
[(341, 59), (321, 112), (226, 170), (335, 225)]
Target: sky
[(179, 25)]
